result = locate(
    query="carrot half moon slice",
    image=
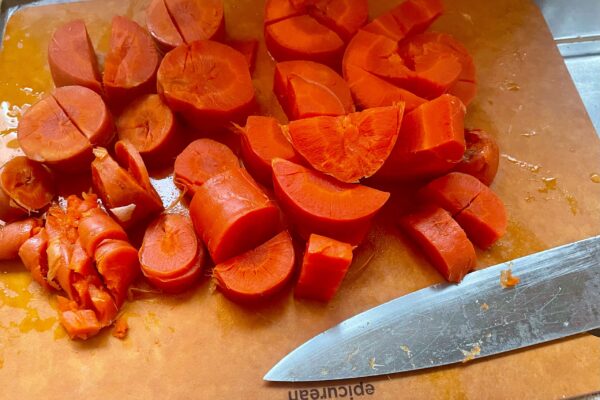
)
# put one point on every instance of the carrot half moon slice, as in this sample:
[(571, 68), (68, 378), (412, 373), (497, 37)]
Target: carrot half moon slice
[(317, 203), (349, 147), (258, 273), (29, 184)]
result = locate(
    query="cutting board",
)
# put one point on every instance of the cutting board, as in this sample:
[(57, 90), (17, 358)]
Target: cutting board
[(201, 345)]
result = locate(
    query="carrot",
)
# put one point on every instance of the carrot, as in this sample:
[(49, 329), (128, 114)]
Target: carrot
[(317, 203), (170, 251), (124, 186), (441, 44), (161, 26), (349, 147), (179, 283), (305, 89), (120, 328), (232, 214), (94, 227), (302, 37), (201, 160), (481, 157), (13, 235), (277, 10), (431, 141), (248, 48), (9, 210), (102, 303), (207, 82), (150, 126), (262, 141), (324, 266), (258, 273), (344, 17), (28, 184), (131, 63), (477, 209), (33, 255), (442, 240), (72, 59), (79, 324), (117, 262)]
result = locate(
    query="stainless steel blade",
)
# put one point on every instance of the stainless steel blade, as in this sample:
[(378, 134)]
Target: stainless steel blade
[(558, 296)]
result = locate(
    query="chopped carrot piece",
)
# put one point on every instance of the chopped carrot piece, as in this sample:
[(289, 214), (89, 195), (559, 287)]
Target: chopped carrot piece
[(324, 266), (442, 240), (120, 328), (33, 255), (29, 185), (258, 273), (248, 48), (13, 235), (117, 262), (507, 279), (96, 226), (481, 157)]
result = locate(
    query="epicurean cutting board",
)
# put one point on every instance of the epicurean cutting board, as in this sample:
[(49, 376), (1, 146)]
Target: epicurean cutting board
[(200, 345)]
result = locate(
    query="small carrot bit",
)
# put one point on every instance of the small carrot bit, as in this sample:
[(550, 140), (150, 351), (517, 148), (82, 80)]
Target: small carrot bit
[(121, 327), (507, 279)]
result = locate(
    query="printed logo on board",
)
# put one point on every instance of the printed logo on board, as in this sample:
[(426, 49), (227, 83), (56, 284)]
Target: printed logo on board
[(349, 392)]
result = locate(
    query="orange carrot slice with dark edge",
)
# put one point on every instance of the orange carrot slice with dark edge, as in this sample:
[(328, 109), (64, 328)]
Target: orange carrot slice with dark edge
[(33, 255), (369, 91), (349, 147), (481, 157), (477, 209), (304, 38), (72, 59), (13, 235), (131, 63), (201, 160), (262, 141), (232, 214), (150, 126), (431, 141), (208, 83), (79, 324), (442, 240), (248, 48), (29, 185), (96, 226), (258, 273), (277, 10), (324, 266), (311, 75), (117, 262), (161, 26), (436, 43), (317, 203), (170, 253)]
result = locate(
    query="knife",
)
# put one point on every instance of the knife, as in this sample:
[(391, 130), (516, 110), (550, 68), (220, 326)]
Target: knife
[(558, 296)]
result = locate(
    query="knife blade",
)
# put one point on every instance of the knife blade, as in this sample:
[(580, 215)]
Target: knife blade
[(558, 296)]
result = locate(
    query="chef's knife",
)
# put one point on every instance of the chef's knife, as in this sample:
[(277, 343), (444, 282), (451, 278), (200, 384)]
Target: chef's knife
[(558, 296)]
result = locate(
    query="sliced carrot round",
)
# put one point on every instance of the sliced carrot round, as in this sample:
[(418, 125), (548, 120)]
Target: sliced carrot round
[(96, 226), (481, 157), (71, 57), (262, 141), (178, 283), (29, 184), (258, 273), (131, 63), (34, 257), (317, 203), (13, 235), (277, 10), (9, 211), (201, 160), (232, 214), (248, 48), (207, 82), (117, 262), (344, 17), (349, 147), (161, 26), (150, 126)]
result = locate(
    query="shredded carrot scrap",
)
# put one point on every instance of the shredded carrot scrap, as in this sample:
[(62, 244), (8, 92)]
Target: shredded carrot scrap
[(507, 279)]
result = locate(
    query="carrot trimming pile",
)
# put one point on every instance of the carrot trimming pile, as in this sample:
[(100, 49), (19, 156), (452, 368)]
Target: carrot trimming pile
[(370, 104)]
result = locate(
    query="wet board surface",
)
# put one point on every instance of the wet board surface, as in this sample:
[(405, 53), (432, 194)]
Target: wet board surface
[(200, 345)]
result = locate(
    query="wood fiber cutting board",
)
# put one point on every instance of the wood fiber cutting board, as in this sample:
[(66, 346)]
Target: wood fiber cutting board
[(200, 345)]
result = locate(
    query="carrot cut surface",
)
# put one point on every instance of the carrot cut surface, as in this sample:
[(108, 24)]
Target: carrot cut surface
[(258, 273), (150, 126), (442, 240), (13, 235), (431, 141), (72, 59), (248, 48), (94, 227), (207, 82), (131, 63), (161, 26), (232, 214), (34, 257), (262, 141), (117, 262), (482, 156), (28, 184), (79, 324), (349, 147), (201, 160), (317, 203), (171, 256), (324, 266)]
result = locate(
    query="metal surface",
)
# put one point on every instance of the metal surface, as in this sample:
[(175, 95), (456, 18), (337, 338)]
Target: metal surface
[(558, 296)]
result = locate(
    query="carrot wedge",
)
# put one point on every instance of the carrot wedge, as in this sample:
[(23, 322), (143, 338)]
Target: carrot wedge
[(262, 141), (317, 203), (442, 240), (324, 266), (79, 324), (258, 273), (13, 235), (349, 147), (232, 214), (481, 157)]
